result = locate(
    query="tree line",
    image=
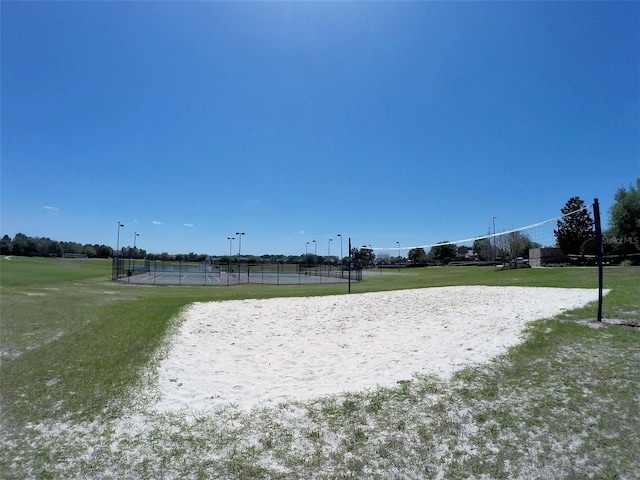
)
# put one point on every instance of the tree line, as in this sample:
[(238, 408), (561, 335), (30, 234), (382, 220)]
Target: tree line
[(22, 244), (25, 245), (505, 247)]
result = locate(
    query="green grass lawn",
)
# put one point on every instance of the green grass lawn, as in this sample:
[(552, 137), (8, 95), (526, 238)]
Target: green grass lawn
[(76, 351)]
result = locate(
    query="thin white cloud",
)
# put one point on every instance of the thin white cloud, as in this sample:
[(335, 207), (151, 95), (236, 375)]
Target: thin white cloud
[(188, 224), (47, 207), (301, 232), (156, 222)]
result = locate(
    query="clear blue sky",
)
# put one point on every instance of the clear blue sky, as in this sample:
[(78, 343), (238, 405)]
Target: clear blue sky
[(410, 122)]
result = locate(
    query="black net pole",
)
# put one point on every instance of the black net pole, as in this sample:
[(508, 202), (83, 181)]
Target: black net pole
[(596, 215)]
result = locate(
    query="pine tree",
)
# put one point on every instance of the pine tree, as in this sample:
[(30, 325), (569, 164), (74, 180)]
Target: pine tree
[(573, 230)]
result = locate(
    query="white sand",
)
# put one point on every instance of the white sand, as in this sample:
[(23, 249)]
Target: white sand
[(252, 351)]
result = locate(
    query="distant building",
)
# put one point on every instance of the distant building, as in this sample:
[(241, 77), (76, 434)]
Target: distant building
[(539, 257)]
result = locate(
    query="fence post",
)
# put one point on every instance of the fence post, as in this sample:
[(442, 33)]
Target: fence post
[(350, 264)]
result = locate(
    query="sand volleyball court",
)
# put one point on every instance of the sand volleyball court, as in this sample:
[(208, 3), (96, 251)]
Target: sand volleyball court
[(251, 352)]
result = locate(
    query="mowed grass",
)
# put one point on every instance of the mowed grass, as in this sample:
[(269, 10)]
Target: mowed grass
[(78, 352)]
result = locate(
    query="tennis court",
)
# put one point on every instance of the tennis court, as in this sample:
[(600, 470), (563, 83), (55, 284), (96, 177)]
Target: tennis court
[(222, 277), (147, 272)]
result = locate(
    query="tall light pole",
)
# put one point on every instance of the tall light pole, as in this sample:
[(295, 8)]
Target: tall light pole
[(120, 225), (494, 239), (231, 239), (240, 234), (329, 256), (306, 258), (315, 256), (340, 235), (135, 252), (398, 243)]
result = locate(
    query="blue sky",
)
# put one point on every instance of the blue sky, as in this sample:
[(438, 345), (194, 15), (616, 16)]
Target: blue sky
[(410, 122)]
